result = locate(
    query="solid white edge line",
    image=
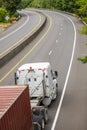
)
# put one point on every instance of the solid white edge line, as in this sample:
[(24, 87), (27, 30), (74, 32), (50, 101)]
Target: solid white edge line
[(67, 77), (17, 28)]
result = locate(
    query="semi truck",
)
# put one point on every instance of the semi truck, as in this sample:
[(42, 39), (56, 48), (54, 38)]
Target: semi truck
[(16, 112), (41, 79)]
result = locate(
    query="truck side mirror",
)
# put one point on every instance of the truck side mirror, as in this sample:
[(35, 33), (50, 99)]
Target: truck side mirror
[(56, 73), (15, 78)]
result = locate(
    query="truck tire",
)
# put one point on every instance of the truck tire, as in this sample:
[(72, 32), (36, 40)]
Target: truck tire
[(46, 101)]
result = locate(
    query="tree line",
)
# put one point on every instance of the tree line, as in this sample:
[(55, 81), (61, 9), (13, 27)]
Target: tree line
[(78, 7), (8, 9)]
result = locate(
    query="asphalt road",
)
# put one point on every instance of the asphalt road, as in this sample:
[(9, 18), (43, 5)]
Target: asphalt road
[(73, 112), (58, 40), (23, 28)]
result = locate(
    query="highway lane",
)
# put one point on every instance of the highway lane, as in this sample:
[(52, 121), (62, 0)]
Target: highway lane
[(73, 112), (57, 37), (19, 31)]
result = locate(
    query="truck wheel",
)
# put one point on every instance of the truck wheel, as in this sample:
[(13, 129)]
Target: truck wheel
[(46, 101)]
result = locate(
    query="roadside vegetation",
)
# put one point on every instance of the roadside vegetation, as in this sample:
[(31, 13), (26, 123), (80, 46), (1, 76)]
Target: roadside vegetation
[(78, 7), (84, 30), (8, 12), (83, 59)]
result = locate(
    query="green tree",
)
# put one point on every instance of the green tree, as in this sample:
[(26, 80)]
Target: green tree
[(81, 9), (25, 3), (58, 4), (36, 3), (11, 5), (81, 6), (75, 6), (3, 14), (1, 3)]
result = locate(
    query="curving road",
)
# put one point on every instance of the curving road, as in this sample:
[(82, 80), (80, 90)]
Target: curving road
[(56, 43), (19, 31)]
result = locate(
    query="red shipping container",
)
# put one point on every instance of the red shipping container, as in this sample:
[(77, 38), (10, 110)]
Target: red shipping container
[(15, 109)]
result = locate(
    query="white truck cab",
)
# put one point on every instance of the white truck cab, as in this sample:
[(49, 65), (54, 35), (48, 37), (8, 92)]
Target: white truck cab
[(41, 79)]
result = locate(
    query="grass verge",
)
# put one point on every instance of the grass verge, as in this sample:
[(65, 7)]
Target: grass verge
[(83, 59), (84, 30)]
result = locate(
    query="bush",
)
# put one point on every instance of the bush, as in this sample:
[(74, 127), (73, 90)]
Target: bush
[(84, 30), (85, 19), (3, 14), (83, 59)]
